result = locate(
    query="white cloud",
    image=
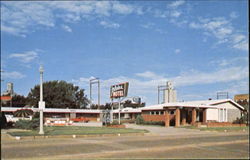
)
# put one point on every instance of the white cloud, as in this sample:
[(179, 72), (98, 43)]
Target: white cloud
[(109, 24), (237, 61), (195, 25), (177, 51), (240, 41), (123, 9), (12, 75), (147, 87), (239, 87), (21, 18), (25, 57), (234, 15), (222, 75), (66, 28), (222, 30), (148, 74), (175, 14), (148, 25), (176, 4), (161, 31)]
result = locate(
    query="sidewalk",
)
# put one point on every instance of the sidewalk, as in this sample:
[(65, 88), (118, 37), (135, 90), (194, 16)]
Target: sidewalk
[(161, 130)]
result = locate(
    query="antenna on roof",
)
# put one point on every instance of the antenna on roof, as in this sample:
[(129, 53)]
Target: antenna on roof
[(222, 94)]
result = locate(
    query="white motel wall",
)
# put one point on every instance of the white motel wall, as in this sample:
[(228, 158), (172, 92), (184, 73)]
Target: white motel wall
[(226, 111)]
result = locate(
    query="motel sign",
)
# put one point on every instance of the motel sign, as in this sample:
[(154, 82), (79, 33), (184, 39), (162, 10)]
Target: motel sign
[(119, 90)]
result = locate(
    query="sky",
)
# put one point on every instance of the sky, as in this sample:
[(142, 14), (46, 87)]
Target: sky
[(200, 46)]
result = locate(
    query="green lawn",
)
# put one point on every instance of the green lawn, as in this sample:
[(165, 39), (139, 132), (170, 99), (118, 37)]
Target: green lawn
[(77, 130), (224, 128), (221, 129)]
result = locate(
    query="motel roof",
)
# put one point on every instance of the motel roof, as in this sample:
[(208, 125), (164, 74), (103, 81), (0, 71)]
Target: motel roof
[(176, 104), (128, 110), (197, 104), (60, 110), (218, 101), (52, 110)]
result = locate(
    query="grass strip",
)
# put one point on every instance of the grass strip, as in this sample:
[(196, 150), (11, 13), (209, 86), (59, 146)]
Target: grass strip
[(77, 130)]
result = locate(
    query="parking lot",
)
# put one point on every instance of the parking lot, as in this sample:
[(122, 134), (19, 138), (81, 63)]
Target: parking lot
[(176, 144)]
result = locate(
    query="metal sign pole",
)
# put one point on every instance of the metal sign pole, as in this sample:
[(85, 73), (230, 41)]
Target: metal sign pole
[(119, 113), (111, 115)]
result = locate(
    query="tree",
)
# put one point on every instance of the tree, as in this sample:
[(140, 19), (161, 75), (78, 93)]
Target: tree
[(59, 94), (17, 101)]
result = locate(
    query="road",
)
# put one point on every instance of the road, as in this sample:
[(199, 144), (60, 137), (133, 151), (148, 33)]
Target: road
[(179, 145)]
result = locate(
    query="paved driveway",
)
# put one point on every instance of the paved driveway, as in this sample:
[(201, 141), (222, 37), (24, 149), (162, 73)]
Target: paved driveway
[(161, 130)]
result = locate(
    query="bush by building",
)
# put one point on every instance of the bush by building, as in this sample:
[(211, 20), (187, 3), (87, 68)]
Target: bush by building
[(139, 120), (160, 123), (29, 124)]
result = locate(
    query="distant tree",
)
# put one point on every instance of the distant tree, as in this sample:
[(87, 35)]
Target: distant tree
[(106, 106), (17, 101), (94, 106), (59, 94)]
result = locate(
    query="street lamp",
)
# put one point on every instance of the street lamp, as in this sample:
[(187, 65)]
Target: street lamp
[(41, 103)]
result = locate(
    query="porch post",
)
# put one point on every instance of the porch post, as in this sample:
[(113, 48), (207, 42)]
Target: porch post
[(193, 116), (184, 118), (167, 118), (204, 118), (177, 117)]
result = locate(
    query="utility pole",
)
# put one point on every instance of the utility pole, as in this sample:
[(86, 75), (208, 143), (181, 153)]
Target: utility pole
[(161, 88)]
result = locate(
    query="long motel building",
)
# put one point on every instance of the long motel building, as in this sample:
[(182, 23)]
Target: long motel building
[(172, 113)]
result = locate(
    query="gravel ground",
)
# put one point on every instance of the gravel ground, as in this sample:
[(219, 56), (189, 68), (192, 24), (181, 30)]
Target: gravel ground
[(192, 144)]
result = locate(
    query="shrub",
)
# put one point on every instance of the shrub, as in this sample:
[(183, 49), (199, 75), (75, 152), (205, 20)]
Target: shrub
[(161, 123), (128, 121), (243, 119), (139, 119), (22, 124), (27, 124), (115, 122), (10, 124)]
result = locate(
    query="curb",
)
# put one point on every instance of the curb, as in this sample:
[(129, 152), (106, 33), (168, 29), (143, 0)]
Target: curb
[(76, 136)]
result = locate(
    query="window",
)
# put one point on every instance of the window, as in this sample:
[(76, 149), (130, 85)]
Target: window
[(162, 112), (172, 112), (156, 112)]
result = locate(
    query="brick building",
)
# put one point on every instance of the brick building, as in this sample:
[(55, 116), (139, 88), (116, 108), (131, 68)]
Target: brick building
[(191, 112)]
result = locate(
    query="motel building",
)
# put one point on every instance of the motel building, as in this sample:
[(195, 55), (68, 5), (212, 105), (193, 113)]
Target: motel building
[(193, 112), (173, 113)]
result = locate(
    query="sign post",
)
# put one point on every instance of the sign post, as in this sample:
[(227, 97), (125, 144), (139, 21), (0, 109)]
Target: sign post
[(118, 91)]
